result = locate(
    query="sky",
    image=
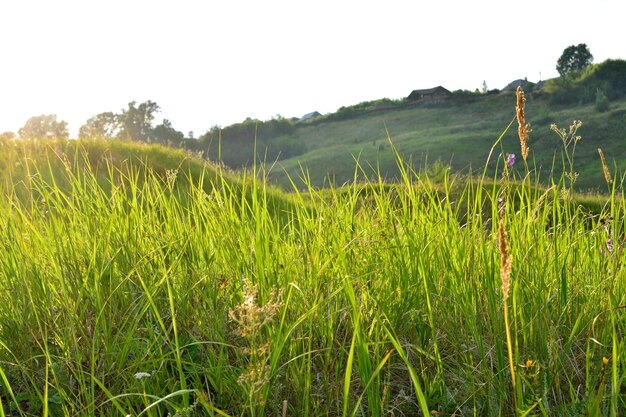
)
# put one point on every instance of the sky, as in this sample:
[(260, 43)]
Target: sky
[(213, 63)]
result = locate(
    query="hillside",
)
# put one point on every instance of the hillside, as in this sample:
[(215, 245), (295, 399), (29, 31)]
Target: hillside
[(115, 165), (460, 136), (458, 133)]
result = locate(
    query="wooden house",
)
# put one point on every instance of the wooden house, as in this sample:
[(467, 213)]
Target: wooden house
[(429, 95)]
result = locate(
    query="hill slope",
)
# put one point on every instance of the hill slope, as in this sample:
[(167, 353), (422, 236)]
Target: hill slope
[(51, 164), (459, 132), (460, 136)]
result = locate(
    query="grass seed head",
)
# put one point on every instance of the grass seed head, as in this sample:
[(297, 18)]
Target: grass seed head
[(251, 318), (607, 173), (523, 127)]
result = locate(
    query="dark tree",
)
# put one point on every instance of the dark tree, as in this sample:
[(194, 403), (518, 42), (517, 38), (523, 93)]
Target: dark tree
[(165, 133), (103, 125), (44, 126), (574, 59), (136, 121)]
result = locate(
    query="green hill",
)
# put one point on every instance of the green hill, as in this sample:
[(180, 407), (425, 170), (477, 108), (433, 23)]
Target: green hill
[(460, 136), (57, 164), (458, 132)]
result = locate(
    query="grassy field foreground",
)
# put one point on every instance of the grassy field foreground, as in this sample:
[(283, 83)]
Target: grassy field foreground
[(130, 291)]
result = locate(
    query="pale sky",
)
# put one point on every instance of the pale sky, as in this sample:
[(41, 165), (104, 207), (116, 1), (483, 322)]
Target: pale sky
[(217, 62)]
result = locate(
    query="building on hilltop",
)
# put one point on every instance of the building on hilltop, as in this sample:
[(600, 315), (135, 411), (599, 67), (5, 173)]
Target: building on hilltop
[(309, 116), (429, 95), (525, 84)]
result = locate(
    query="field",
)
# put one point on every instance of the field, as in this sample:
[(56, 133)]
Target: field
[(139, 281), (455, 135)]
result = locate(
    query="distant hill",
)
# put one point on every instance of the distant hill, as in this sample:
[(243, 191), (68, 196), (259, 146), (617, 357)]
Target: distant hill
[(458, 131)]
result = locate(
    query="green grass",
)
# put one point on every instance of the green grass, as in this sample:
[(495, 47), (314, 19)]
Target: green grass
[(457, 135), (128, 289)]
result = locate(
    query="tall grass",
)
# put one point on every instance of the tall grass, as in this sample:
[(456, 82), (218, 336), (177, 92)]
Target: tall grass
[(127, 290)]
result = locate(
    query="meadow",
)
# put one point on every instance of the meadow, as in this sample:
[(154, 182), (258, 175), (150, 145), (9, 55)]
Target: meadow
[(139, 281), (455, 133)]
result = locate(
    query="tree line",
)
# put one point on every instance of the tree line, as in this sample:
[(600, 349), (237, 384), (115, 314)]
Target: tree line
[(134, 123)]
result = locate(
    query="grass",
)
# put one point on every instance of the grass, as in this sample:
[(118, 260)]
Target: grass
[(457, 135), (127, 289)]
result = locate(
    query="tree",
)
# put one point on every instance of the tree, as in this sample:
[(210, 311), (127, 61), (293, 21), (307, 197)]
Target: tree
[(136, 121), (44, 126), (165, 133), (8, 135), (103, 125), (574, 59)]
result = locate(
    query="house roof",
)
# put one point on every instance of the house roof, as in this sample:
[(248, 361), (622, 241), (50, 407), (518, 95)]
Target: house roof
[(427, 91), (518, 83), (310, 115)]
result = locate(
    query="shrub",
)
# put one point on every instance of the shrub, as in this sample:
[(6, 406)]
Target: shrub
[(602, 102), (609, 76)]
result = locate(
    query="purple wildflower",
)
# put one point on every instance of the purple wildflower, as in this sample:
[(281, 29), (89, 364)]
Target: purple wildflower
[(609, 245), (510, 160)]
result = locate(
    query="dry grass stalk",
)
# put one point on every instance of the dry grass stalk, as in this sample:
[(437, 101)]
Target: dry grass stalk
[(607, 173), (505, 274), (523, 127), (285, 404), (505, 260)]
